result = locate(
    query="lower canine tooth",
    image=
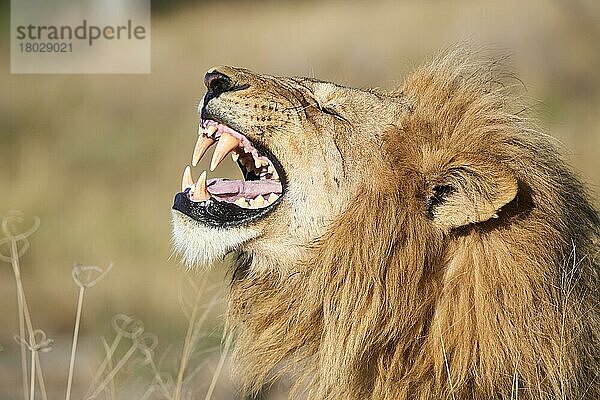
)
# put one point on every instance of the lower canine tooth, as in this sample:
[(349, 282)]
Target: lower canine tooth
[(200, 192), (272, 198)]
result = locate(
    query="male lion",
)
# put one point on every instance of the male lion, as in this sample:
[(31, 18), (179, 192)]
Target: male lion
[(420, 243)]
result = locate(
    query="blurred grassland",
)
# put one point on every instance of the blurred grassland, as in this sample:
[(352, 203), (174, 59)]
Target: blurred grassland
[(99, 157)]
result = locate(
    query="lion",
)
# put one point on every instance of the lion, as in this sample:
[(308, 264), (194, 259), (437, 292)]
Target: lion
[(424, 242)]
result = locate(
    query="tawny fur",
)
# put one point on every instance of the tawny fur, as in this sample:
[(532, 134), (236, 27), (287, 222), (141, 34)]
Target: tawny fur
[(404, 294)]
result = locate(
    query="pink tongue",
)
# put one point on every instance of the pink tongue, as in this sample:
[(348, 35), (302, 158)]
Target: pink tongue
[(231, 190)]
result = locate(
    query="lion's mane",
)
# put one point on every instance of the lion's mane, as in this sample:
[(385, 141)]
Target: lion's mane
[(390, 307)]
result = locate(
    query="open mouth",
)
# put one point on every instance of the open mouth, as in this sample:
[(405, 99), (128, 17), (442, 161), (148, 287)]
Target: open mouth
[(229, 202)]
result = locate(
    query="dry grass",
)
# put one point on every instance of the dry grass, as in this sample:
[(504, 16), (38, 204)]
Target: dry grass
[(99, 157), (139, 343)]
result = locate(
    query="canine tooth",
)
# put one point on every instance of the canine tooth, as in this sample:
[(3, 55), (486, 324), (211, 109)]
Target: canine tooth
[(187, 180), (241, 202), (211, 130), (235, 156), (202, 145), (272, 197), (275, 175), (200, 193), (271, 169), (224, 146)]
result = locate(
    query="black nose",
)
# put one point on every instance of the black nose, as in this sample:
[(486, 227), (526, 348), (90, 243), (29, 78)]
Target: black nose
[(217, 83)]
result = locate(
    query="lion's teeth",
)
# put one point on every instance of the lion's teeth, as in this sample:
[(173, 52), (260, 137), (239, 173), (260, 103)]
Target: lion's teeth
[(200, 192), (235, 156), (202, 145), (187, 180), (272, 198), (242, 202), (260, 163), (224, 146), (275, 175), (270, 169), (258, 201), (211, 130)]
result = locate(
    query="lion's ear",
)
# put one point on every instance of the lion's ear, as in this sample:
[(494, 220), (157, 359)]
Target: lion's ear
[(469, 193)]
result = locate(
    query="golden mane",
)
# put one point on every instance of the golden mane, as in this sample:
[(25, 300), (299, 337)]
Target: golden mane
[(387, 306)]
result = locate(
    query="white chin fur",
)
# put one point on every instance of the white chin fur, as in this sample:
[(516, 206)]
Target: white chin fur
[(201, 245)]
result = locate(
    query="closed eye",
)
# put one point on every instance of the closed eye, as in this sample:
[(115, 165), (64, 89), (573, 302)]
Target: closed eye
[(334, 113), (326, 109), (330, 111)]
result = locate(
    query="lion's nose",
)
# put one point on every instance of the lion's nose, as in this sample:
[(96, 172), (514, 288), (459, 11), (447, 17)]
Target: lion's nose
[(217, 83)]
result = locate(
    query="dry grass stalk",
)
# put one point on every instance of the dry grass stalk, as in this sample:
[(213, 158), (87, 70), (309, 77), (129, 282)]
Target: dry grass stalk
[(187, 345), (144, 343), (217, 373), (13, 239), (193, 333), (125, 327), (84, 277), (138, 344), (111, 387), (38, 343)]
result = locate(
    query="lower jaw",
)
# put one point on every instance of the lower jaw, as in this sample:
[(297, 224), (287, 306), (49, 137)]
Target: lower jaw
[(218, 214)]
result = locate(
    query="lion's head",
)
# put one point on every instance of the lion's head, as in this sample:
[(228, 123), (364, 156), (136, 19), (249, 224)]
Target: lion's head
[(305, 148), (424, 242)]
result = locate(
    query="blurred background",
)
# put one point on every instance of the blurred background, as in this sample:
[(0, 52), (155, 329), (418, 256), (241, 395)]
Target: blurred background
[(98, 158)]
